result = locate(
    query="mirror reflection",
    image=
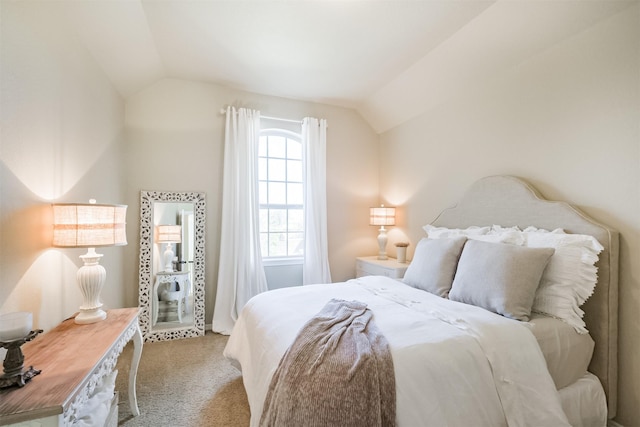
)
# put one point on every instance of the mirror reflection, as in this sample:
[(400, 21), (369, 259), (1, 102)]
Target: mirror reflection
[(172, 295)]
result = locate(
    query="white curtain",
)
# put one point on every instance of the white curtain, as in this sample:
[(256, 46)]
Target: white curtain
[(240, 272), (316, 254)]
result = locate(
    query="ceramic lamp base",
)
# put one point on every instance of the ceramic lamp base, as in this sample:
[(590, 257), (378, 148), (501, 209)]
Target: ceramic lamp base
[(382, 243), (92, 315), (168, 258), (91, 277)]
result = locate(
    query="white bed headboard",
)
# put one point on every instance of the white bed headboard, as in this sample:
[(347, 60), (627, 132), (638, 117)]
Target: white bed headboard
[(510, 201)]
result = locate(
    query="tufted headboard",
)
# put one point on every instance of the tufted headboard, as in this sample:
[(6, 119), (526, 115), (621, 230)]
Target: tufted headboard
[(510, 201)]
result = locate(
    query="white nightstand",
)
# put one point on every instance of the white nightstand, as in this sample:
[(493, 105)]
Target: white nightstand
[(372, 266)]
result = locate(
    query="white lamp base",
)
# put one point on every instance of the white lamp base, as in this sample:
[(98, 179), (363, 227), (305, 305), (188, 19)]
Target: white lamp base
[(90, 316), (168, 258), (382, 243), (91, 277)]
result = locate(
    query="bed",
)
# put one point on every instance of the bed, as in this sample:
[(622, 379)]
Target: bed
[(474, 376)]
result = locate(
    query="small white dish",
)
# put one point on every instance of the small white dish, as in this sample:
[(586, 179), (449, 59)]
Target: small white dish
[(15, 325)]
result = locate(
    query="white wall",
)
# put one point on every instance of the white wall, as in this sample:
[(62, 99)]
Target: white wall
[(63, 139), (175, 142), (566, 120), (60, 141)]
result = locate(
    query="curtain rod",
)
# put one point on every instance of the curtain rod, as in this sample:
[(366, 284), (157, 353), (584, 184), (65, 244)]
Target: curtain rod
[(281, 120), (224, 111)]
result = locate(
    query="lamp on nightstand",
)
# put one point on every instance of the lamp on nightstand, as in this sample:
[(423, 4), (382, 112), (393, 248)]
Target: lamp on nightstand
[(382, 216), (77, 225), (169, 234)]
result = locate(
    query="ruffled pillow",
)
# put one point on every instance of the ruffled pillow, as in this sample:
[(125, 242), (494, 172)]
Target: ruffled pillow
[(570, 276)]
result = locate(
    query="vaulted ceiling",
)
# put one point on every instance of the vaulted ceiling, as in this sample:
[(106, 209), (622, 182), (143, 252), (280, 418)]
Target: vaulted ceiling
[(391, 60)]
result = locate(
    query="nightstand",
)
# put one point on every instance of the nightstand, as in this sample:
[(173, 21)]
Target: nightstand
[(372, 266)]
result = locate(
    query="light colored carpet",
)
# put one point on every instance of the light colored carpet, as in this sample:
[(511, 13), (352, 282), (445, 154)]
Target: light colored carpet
[(183, 383)]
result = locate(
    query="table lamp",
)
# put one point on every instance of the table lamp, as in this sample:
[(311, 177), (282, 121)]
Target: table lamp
[(77, 225), (169, 234), (382, 216)]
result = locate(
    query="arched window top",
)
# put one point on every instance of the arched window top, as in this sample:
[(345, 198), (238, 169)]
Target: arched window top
[(283, 132)]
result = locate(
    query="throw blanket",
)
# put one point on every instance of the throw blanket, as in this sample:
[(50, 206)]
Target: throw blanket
[(337, 372)]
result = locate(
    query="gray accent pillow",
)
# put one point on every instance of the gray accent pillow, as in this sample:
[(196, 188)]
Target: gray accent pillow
[(434, 265), (499, 277)]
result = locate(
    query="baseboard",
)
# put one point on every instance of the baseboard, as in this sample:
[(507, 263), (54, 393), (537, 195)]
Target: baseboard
[(612, 423)]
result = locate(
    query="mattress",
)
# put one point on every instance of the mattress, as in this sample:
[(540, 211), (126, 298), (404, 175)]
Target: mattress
[(566, 351)]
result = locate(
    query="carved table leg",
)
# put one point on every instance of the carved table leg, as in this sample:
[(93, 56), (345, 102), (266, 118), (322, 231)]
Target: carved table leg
[(133, 371)]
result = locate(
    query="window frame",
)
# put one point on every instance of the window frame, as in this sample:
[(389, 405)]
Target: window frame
[(282, 259)]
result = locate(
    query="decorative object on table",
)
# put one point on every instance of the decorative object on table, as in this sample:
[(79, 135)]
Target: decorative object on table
[(169, 234), (401, 251), (15, 325), (15, 330), (77, 225), (382, 216)]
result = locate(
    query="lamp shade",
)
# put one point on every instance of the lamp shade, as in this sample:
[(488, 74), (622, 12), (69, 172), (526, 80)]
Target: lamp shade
[(78, 225), (382, 216), (169, 234)]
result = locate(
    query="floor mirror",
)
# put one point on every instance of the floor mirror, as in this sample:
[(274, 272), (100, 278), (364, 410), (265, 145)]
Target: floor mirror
[(172, 255)]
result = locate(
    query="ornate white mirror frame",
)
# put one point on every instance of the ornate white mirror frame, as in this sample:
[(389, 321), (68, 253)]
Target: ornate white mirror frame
[(147, 244)]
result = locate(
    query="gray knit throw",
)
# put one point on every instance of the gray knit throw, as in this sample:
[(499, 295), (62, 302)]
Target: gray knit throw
[(338, 372)]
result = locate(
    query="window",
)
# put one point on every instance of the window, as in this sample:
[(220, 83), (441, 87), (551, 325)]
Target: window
[(281, 194)]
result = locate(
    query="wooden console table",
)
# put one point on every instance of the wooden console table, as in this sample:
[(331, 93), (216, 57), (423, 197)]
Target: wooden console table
[(73, 359)]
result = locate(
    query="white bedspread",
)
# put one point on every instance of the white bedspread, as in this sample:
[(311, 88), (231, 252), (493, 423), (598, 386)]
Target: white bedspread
[(455, 364)]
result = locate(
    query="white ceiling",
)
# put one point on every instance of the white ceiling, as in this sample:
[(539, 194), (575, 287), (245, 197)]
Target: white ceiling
[(391, 60)]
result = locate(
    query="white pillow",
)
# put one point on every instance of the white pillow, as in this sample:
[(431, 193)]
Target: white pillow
[(570, 276), (511, 237), (486, 234), (497, 229), (444, 232)]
